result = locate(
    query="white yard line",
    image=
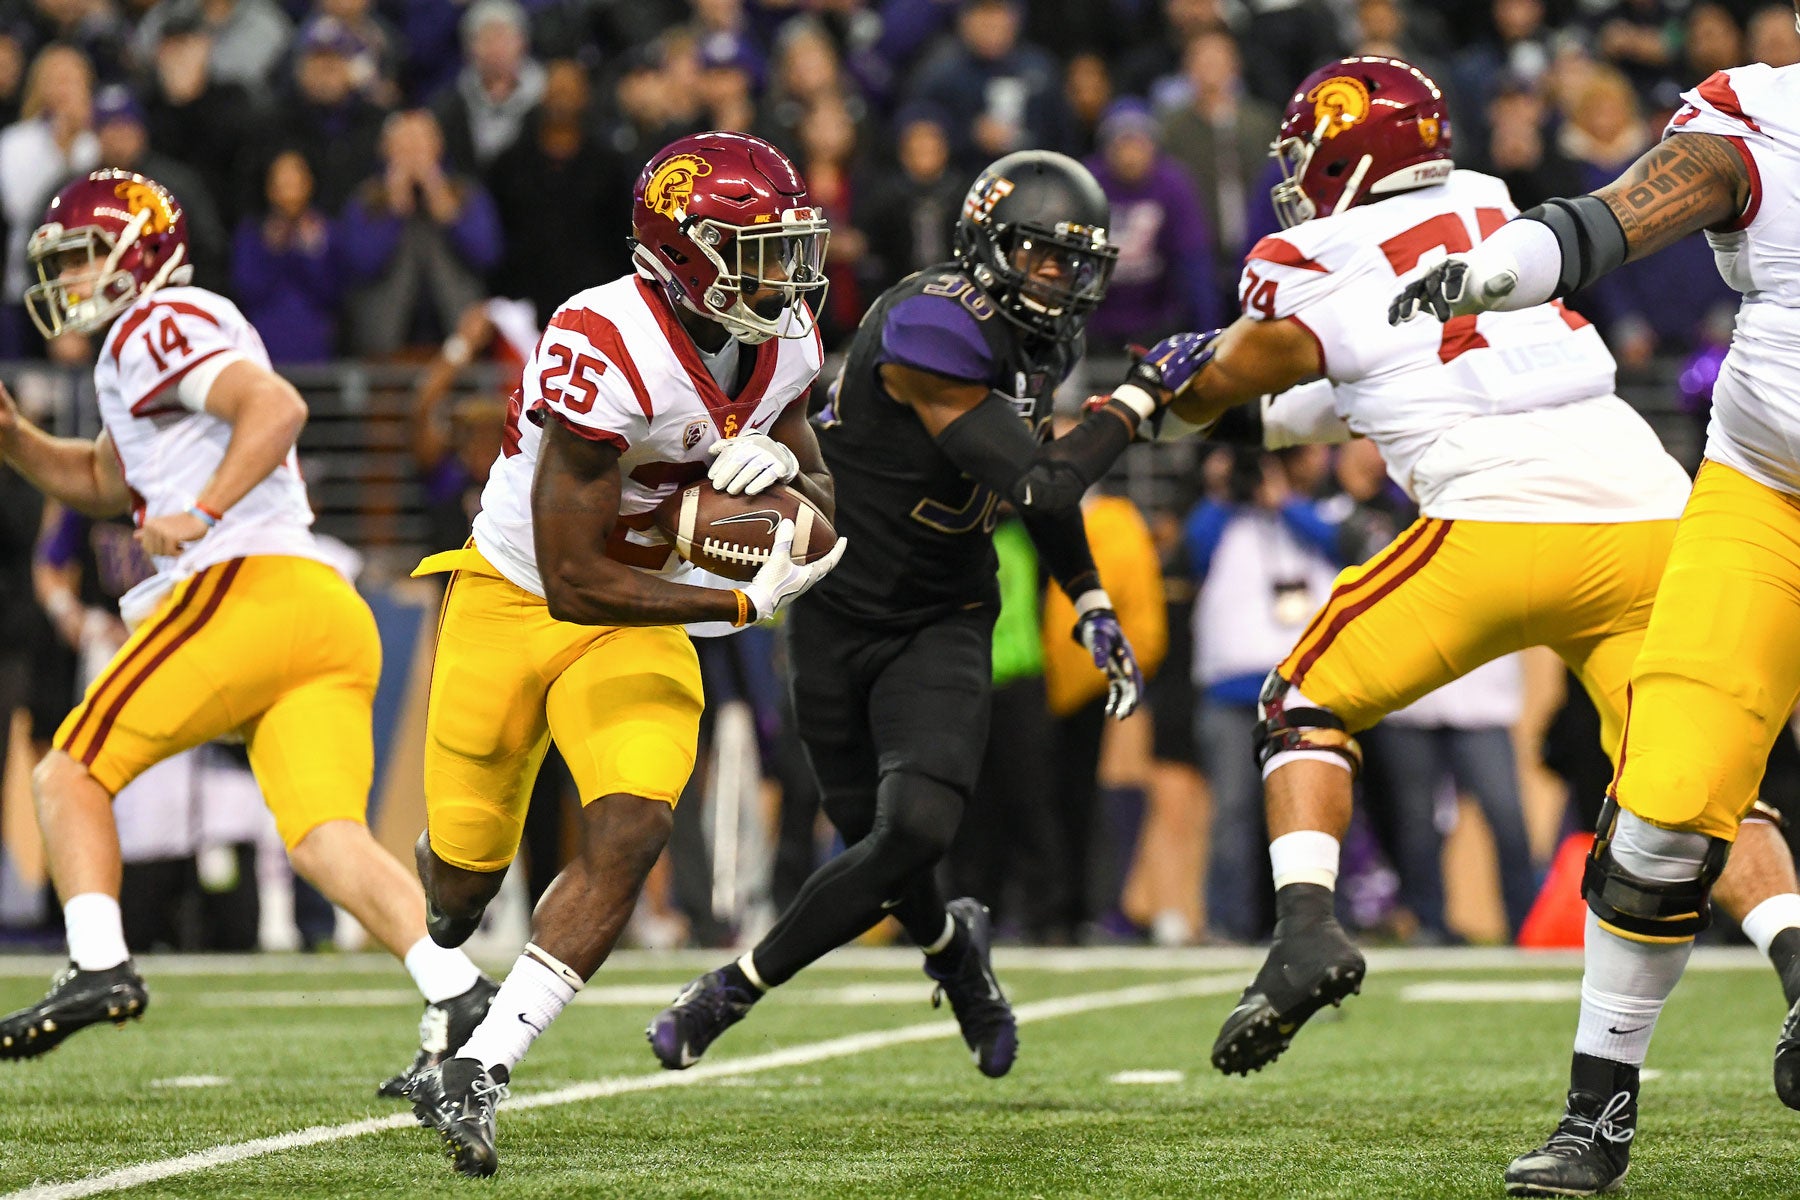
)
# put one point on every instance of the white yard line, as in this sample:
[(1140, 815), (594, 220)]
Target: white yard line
[(813, 1052), (1509, 991), (618, 995)]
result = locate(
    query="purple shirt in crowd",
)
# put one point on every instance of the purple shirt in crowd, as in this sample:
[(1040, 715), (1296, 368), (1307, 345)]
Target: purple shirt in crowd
[(291, 295), (1164, 279)]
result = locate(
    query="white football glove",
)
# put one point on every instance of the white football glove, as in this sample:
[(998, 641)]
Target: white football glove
[(748, 464), (781, 578)]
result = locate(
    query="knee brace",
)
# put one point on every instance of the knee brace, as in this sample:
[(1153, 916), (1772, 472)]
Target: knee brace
[(1288, 730), (1651, 884)]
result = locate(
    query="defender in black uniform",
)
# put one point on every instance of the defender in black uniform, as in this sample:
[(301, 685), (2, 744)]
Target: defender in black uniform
[(942, 411)]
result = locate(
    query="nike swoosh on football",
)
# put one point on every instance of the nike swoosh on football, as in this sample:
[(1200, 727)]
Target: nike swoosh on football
[(767, 516)]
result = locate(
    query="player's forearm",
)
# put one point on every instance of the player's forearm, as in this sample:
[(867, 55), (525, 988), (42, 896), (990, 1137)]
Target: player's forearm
[(1687, 183), (65, 469), (589, 591), (1061, 541), (992, 446), (263, 431), (1252, 359)]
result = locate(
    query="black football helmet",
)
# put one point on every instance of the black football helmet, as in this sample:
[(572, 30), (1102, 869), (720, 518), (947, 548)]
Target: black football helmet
[(1033, 234)]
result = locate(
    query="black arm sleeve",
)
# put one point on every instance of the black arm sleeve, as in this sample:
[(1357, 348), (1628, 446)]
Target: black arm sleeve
[(1061, 541), (1592, 240), (992, 446)]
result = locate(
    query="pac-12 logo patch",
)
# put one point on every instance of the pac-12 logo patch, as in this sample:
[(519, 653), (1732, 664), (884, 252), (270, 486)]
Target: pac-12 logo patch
[(696, 429), (1339, 103), (672, 184)]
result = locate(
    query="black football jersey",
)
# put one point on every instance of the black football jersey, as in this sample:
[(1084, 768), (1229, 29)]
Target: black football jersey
[(919, 529)]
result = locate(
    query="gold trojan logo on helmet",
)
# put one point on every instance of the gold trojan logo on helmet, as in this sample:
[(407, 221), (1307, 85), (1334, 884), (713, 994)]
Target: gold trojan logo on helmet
[(672, 185), (1339, 103), (140, 196)]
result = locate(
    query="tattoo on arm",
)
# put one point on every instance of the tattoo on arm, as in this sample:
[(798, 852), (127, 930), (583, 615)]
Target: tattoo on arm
[(1689, 182)]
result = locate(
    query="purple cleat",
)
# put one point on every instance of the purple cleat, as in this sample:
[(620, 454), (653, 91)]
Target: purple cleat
[(707, 1007), (988, 1027)]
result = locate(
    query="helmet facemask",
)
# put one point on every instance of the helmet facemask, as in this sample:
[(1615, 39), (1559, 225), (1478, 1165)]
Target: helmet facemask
[(779, 264), (1047, 278), (1295, 155), (103, 290)]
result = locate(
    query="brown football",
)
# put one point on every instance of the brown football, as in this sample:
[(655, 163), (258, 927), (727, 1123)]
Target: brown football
[(732, 535)]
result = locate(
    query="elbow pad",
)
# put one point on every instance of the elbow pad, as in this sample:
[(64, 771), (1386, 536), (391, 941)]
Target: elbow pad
[(1592, 240)]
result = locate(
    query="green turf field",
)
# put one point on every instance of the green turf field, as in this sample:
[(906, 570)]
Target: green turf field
[(1407, 1094)]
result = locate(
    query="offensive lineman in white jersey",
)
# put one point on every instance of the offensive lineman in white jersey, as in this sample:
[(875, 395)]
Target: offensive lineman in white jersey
[(1548, 504), (564, 616), (1719, 672), (244, 629)]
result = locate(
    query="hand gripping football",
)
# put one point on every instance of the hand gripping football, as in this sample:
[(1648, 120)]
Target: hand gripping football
[(732, 535)]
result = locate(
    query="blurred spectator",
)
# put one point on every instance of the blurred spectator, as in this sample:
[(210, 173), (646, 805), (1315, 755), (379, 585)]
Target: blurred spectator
[(1006, 94), (125, 142), (1163, 282), (824, 155), (52, 140), (331, 120), (1643, 39), (1222, 137), (643, 118), (1088, 89), (1456, 740), (1604, 128), (1520, 152), (1109, 28), (1388, 28), (1152, 67), (678, 53), (807, 73), (21, 511), (1713, 43), (1770, 36), (499, 84), (1093, 840), (215, 128), (1515, 51), (563, 200), (907, 216), (377, 67), (456, 438), (248, 38), (13, 40), (92, 26), (1283, 41), (1264, 561), (284, 267), (418, 238), (728, 83)]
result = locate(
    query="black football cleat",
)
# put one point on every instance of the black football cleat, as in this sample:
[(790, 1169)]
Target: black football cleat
[(1590, 1152), (704, 1009), (1311, 963), (988, 1026), (457, 1098), (1787, 1059), (442, 1031), (76, 999)]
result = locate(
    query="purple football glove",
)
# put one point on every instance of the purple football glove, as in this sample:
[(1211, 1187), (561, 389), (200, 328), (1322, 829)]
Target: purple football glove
[(1172, 363), (1097, 629)]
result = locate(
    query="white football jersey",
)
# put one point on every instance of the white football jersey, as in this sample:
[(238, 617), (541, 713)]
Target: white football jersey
[(1756, 401), (169, 446), (616, 366), (1505, 416)]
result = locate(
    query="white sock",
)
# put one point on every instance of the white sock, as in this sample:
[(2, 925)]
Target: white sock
[(1304, 856), (536, 990), (1766, 920), (96, 931), (441, 974), (944, 938), (1623, 991)]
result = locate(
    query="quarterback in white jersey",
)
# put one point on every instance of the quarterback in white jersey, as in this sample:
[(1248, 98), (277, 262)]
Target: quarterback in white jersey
[(1719, 673), (1548, 504), (244, 630), (564, 616)]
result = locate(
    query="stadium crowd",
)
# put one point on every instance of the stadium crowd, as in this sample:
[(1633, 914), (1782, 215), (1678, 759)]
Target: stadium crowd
[(360, 175)]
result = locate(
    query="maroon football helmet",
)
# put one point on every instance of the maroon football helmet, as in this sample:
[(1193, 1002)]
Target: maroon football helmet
[(121, 235), (1359, 128), (721, 216)]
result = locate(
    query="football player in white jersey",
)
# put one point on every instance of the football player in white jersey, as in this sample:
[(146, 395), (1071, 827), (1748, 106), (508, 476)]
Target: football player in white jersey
[(245, 628), (565, 615), (1719, 672), (1548, 504)]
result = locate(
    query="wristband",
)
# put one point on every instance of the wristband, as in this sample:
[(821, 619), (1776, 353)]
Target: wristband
[(743, 612), (1134, 397), (204, 515)]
